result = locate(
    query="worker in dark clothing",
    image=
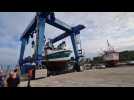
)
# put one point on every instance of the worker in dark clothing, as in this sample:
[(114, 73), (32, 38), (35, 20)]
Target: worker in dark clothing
[(30, 74), (10, 80), (16, 72), (13, 80)]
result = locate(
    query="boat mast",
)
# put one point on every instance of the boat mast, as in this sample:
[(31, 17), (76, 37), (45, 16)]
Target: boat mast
[(110, 48)]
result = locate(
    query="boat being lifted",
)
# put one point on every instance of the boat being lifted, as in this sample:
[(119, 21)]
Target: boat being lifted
[(58, 58)]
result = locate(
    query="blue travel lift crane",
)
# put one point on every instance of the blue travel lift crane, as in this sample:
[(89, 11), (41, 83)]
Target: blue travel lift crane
[(37, 26)]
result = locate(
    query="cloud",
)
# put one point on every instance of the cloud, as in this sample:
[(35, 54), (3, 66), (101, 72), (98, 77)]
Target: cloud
[(117, 27), (12, 24), (8, 55)]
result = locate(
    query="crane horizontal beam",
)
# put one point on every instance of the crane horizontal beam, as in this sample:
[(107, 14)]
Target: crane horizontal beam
[(59, 24), (50, 19), (64, 35)]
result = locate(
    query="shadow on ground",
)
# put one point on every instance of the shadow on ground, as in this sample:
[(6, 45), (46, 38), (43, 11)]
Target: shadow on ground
[(39, 78)]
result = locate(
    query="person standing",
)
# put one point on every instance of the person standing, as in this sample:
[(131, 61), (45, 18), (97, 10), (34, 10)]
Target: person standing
[(17, 76), (13, 80), (30, 74), (10, 80)]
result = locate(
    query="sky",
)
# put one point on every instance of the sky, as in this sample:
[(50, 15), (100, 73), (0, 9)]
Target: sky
[(117, 27)]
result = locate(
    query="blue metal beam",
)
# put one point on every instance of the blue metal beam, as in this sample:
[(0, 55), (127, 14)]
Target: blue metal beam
[(59, 24), (64, 35), (78, 28), (60, 37), (40, 37), (73, 39)]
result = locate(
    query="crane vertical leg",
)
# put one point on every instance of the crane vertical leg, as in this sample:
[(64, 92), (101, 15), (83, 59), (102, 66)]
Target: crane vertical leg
[(23, 44), (77, 66), (40, 37)]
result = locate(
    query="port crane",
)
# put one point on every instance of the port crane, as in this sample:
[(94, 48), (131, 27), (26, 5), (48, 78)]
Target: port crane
[(37, 27)]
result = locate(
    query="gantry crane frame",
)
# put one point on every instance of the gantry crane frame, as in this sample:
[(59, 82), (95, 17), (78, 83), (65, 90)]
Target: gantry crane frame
[(37, 26)]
